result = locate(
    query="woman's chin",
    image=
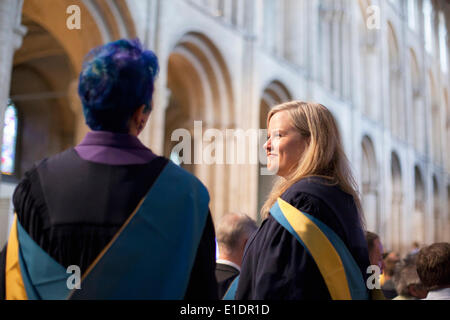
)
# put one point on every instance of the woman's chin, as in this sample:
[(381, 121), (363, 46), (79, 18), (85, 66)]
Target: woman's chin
[(273, 168)]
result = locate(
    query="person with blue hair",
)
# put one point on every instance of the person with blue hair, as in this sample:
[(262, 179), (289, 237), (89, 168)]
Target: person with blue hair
[(109, 219)]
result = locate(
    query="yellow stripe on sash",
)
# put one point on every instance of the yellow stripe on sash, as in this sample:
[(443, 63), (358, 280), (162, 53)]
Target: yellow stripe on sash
[(15, 289), (321, 249)]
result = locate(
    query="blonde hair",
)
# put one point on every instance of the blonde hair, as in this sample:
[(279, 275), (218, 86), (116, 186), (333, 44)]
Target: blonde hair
[(323, 156)]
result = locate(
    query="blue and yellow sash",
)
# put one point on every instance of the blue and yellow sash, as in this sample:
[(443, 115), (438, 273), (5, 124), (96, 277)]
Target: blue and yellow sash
[(336, 264), (151, 256)]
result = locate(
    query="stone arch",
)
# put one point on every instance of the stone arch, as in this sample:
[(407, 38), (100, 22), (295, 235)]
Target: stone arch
[(418, 219), (52, 56), (196, 54), (274, 93), (41, 75), (200, 90), (101, 22), (370, 183), (395, 88), (397, 204)]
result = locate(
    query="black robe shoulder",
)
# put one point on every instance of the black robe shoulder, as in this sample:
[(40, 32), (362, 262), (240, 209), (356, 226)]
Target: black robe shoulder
[(277, 267), (75, 230)]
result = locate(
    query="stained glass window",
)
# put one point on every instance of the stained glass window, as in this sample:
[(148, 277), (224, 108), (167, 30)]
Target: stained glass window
[(9, 139)]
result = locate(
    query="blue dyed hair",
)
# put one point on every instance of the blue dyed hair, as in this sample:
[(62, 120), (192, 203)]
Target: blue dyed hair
[(117, 78)]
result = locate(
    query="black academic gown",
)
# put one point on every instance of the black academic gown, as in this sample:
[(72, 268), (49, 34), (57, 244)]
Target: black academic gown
[(98, 198), (277, 267), (225, 274)]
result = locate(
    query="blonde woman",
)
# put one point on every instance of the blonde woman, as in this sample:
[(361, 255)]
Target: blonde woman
[(311, 244)]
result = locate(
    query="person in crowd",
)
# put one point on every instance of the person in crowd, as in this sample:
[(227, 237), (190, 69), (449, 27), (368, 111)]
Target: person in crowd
[(407, 282), (376, 250), (376, 255), (132, 223), (232, 232), (388, 285), (312, 216), (433, 268), (414, 250)]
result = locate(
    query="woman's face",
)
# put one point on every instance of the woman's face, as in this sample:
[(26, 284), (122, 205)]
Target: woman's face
[(376, 255), (285, 145)]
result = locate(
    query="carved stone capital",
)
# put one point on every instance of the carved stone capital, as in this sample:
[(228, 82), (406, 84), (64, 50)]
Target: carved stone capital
[(19, 32)]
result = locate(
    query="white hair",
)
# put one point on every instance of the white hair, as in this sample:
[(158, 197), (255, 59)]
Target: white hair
[(234, 228)]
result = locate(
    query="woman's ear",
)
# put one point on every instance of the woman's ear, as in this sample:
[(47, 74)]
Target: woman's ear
[(139, 120)]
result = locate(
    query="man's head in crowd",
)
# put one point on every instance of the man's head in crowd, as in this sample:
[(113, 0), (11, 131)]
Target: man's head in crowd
[(407, 281), (433, 266), (375, 249)]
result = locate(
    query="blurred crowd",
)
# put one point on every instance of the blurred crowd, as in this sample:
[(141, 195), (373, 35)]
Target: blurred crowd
[(423, 273)]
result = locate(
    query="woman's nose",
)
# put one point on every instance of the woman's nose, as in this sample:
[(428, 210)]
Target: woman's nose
[(267, 145)]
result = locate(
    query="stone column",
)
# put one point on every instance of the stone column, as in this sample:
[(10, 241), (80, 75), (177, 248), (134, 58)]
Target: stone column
[(227, 12), (240, 14), (11, 34), (294, 31), (313, 43), (244, 177), (153, 134), (325, 36), (81, 127), (397, 228)]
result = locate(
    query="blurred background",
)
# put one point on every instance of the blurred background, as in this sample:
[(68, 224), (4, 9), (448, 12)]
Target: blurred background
[(380, 66)]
